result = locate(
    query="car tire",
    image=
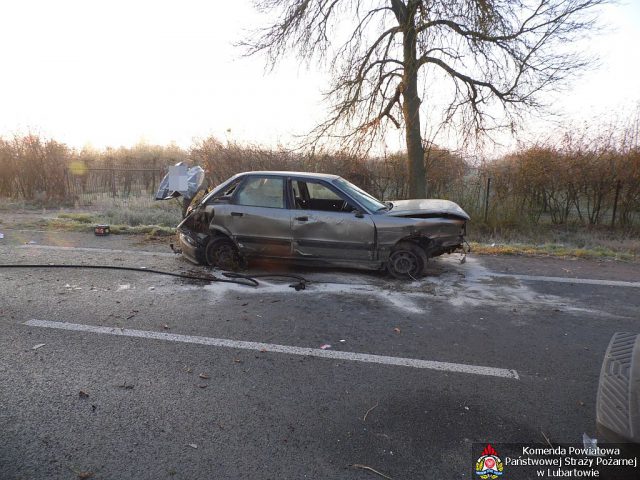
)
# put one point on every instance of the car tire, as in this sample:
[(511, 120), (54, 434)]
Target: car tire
[(407, 261), (222, 253)]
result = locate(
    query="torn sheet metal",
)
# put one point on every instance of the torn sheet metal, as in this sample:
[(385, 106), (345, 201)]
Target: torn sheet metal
[(181, 181)]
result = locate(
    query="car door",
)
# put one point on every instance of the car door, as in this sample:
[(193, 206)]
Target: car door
[(258, 218), (326, 225)]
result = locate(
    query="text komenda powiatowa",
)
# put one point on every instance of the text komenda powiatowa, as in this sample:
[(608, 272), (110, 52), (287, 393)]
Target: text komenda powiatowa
[(570, 457)]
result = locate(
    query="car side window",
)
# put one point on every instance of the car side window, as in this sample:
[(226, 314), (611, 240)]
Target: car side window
[(261, 192), (227, 192), (230, 189), (317, 196)]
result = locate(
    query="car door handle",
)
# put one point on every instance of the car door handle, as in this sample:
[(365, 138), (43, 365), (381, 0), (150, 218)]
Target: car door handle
[(302, 219), (236, 214)]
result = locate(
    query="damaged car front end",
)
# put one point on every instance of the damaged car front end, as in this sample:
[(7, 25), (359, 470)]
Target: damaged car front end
[(318, 219)]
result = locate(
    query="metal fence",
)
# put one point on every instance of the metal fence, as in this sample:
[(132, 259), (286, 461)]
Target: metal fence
[(101, 185)]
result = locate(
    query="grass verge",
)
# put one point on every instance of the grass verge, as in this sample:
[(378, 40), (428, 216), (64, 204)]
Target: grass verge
[(552, 250), (577, 241), (83, 225)]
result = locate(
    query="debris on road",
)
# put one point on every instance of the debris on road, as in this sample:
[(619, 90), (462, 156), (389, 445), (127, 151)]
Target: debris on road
[(204, 376), (123, 287), (1, 235), (126, 386), (373, 470), (102, 230), (203, 385), (397, 330), (192, 445), (165, 326), (36, 347), (325, 346), (364, 419), (83, 394)]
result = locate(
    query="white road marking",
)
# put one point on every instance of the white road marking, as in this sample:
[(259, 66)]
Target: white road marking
[(269, 347), (101, 250), (583, 281)]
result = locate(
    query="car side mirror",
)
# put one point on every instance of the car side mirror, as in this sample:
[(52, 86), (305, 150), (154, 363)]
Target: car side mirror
[(358, 214)]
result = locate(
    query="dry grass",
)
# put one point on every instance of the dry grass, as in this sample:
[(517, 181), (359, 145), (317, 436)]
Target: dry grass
[(553, 240), (72, 225), (139, 216), (552, 250)]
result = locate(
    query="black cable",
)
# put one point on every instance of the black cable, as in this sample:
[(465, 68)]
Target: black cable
[(264, 275), (301, 285), (240, 279)]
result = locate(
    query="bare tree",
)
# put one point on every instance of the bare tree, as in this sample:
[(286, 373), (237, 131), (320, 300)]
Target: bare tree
[(496, 55)]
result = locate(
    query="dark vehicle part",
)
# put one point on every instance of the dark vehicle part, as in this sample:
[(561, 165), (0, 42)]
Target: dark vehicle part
[(618, 398), (407, 261), (222, 253)]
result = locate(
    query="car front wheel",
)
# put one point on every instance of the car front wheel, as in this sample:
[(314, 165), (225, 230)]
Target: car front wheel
[(222, 253), (407, 261)]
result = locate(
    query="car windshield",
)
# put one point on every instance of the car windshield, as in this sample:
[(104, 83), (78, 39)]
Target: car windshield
[(366, 199)]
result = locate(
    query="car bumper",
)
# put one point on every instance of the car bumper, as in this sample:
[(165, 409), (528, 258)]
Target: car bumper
[(191, 250)]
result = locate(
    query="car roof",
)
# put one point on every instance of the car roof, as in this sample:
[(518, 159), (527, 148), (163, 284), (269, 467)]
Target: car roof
[(324, 176)]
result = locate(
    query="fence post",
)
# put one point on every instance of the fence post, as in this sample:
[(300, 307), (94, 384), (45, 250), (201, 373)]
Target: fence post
[(615, 203), (113, 183), (486, 199)]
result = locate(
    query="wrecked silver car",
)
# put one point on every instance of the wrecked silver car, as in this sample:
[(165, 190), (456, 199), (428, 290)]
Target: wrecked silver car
[(317, 219)]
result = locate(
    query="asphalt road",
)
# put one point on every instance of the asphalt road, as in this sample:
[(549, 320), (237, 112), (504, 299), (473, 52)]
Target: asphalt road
[(509, 355)]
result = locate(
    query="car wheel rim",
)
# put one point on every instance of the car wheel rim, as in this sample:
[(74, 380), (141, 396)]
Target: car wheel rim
[(225, 257), (404, 263)]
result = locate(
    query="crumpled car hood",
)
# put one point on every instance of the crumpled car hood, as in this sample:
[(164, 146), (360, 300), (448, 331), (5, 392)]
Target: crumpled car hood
[(407, 208)]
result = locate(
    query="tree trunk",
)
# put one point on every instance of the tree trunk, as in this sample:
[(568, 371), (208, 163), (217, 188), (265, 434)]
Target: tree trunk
[(411, 111)]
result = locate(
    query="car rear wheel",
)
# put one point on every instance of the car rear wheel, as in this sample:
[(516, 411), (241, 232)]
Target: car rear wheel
[(407, 261), (221, 252)]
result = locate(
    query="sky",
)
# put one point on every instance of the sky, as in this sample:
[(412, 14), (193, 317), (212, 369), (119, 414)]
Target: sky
[(112, 73)]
